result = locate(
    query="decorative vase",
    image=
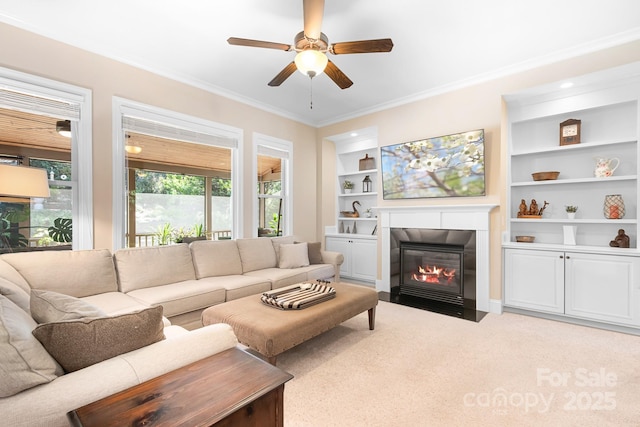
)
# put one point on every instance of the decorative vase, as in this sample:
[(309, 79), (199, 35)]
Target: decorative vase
[(347, 191), (613, 207), (571, 215), (569, 232)]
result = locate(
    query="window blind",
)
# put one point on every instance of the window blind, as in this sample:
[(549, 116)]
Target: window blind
[(162, 130), (272, 152), (35, 104)]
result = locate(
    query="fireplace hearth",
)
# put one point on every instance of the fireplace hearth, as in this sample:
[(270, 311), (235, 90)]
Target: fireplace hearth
[(434, 270)]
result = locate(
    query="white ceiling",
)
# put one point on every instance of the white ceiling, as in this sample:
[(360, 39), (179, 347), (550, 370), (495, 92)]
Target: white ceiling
[(438, 45)]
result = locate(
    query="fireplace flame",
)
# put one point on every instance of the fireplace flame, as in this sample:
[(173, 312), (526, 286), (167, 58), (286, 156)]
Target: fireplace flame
[(434, 274)]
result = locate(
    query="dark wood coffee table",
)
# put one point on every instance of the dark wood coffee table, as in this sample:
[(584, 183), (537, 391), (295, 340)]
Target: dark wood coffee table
[(231, 388)]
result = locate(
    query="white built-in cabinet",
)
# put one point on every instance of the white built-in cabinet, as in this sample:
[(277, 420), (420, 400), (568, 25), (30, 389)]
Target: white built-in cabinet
[(570, 269), (356, 238), (358, 255), (587, 286)]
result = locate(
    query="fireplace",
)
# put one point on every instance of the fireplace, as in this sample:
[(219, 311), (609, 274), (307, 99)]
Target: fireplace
[(434, 224), (432, 271)]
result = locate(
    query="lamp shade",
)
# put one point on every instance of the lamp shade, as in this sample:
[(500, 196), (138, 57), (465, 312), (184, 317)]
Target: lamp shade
[(23, 181), (311, 62)]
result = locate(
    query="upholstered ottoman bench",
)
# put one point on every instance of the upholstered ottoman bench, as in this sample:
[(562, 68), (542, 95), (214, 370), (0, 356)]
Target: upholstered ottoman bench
[(270, 331)]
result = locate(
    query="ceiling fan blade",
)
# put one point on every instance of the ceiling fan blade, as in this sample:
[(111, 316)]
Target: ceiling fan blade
[(284, 74), (362, 46), (257, 43), (337, 76), (313, 11)]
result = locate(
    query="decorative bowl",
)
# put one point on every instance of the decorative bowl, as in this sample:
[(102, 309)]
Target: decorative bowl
[(525, 239), (545, 176)]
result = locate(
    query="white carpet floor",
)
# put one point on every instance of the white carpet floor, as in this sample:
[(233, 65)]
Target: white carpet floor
[(419, 368)]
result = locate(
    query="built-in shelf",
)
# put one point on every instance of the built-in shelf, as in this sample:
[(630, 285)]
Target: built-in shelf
[(571, 271), (577, 147), (603, 181), (370, 193), (359, 248), (360, 172)]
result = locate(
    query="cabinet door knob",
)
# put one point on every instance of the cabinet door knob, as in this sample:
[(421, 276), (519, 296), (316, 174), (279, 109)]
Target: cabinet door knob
[(568, 257), (561, 257)]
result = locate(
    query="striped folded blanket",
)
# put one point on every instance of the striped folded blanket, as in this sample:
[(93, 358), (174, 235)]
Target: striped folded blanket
[(299, 296)]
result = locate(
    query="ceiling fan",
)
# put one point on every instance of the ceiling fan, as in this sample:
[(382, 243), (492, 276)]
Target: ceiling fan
[(312, 46)]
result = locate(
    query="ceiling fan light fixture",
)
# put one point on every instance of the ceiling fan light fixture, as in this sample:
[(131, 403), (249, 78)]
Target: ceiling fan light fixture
[(63, 127), (311, 62)]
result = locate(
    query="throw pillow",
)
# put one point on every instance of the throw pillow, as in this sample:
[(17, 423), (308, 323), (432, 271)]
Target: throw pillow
[(49, 306), (294, 255), (315, 252), (77, 344), (24, 363), (15, 293)]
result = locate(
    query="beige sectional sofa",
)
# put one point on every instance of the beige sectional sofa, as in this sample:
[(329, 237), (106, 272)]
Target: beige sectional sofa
[(184, 279)]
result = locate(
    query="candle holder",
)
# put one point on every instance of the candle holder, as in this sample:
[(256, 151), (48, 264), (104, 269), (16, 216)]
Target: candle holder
[(613, 207)]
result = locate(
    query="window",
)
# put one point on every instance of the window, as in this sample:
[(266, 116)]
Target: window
[(272, 172), (30, 108), (178, 174)]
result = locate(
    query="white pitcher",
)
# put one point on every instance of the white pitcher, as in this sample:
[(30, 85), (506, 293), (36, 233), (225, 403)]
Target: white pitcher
[(605, 167)]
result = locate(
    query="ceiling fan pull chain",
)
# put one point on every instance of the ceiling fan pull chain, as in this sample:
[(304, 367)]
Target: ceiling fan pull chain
[(311, 93)]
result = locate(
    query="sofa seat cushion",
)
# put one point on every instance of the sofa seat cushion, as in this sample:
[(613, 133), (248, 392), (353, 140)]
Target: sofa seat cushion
[(24, 362), (256, 254), (280, 277), (148, 267), (75, 273), (216, 258), (115, 303), (319, 271), (181, 297), (239, 286)]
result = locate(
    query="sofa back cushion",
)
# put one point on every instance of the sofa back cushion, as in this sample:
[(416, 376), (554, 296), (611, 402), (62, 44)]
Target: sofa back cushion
[(75, 273), (213, 258), (256, 254), (278, 241), (140, 268), (15, 293), (294, 255), (24, 363), (49, 306), (9, 273)]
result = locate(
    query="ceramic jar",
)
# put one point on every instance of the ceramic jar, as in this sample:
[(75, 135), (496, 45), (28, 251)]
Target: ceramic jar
[(605, 167), (613, 207)]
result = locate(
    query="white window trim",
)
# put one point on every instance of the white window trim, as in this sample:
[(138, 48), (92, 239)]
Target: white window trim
[(81, 154), (281, 145), (124, 107)]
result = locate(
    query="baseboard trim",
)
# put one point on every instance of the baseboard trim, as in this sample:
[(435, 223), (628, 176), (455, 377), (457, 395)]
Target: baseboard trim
[(576, 321)]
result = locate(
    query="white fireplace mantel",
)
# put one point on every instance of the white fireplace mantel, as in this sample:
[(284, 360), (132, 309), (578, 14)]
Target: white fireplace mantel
[(456, 217)]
